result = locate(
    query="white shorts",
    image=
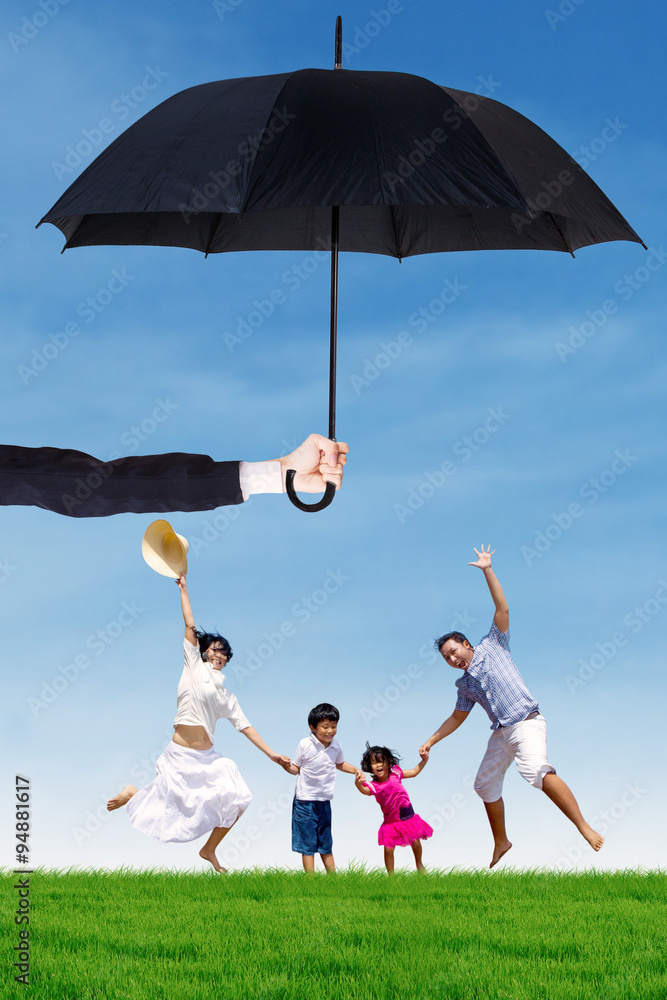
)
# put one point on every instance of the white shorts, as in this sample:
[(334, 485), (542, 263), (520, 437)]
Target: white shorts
[(524, 742), (194, 792)]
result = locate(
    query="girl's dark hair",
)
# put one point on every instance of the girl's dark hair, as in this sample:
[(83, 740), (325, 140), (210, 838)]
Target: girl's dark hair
[(457, 636), (205, 639), (390, 757)]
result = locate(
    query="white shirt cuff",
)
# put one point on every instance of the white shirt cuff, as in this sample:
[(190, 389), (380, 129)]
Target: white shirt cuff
[(260, 477)]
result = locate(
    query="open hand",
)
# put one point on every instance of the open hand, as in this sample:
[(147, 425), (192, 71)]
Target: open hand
[(483, 558), (317, 461)]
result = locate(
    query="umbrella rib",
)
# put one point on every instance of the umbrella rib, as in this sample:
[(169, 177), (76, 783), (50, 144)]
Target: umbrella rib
[(393, 222), (214, 226), (561, 234)]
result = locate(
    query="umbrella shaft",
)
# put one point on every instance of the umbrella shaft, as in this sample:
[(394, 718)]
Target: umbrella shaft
[(333, 329)]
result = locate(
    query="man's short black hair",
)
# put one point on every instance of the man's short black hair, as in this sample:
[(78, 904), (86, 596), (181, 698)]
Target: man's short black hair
[(458, 636), (321, 712), (206, 639)]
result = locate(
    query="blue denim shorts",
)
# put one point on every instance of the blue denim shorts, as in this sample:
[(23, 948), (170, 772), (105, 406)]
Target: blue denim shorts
[(311, 827)]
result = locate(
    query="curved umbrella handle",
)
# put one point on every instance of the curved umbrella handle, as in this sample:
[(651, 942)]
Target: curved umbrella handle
[(321, 503)]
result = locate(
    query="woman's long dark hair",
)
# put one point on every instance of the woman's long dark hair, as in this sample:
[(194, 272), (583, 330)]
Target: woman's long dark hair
[(205, 639)]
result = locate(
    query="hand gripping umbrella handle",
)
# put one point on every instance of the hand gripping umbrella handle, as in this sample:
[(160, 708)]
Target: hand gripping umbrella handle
[(321, 503)]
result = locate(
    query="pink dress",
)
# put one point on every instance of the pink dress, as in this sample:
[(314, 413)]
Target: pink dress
[(402, 826)]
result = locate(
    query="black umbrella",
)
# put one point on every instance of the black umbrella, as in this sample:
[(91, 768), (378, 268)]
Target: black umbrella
[(366, 161)]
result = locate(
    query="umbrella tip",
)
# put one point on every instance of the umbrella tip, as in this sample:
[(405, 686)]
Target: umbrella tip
[(338, 63)]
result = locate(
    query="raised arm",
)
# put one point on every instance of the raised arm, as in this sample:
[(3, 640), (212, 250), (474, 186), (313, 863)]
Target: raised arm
[(186, 608), (412, 772), (502, 615), (449, 726)]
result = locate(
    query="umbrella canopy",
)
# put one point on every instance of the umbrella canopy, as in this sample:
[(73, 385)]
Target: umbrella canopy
[(257, 163), (372, 162)]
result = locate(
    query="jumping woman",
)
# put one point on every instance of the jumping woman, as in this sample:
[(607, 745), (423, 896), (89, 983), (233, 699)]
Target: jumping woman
[(196, 790)]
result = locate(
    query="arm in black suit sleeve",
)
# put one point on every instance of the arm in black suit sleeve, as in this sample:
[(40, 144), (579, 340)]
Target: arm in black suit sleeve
[(76, 484)]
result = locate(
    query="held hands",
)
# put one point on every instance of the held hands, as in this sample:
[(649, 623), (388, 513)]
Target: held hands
[(280, 758), (483, 558), (424, 752), (317, 461)]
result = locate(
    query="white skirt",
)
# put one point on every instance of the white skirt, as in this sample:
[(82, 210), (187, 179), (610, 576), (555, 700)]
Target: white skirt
[(194, 792)]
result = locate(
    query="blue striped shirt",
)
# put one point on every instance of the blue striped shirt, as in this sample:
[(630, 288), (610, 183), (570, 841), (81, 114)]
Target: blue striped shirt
[(493, 680)]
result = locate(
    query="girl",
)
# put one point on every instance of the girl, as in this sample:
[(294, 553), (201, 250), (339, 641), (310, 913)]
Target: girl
[(196, 790), (401, 826)]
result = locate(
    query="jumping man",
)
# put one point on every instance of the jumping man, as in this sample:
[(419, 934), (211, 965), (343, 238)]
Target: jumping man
[(519, 730)]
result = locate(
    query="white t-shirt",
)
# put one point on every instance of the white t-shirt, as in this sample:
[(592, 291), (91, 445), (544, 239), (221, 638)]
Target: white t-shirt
[(202, 698), (317, 769)]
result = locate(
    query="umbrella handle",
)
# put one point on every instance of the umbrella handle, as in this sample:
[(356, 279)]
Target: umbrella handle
[(321, 503)]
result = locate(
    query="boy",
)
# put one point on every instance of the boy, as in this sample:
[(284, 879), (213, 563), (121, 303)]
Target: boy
[(519, 730), (315, 762)]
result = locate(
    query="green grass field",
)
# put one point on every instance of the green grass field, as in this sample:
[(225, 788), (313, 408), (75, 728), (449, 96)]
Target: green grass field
[(282, 935)]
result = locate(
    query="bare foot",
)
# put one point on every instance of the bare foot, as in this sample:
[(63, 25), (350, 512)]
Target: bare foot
[(420, 868), (498, 852), (595, 839), (122, 798), (211, 858)]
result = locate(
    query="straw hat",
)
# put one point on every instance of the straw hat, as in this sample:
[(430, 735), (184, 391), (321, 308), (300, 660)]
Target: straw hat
[(164, 550)]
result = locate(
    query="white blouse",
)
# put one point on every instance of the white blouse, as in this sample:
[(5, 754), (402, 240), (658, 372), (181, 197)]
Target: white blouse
[(202, 698)]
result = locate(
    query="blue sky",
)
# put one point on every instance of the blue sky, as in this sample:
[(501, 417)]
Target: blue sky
[(542, 384)]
